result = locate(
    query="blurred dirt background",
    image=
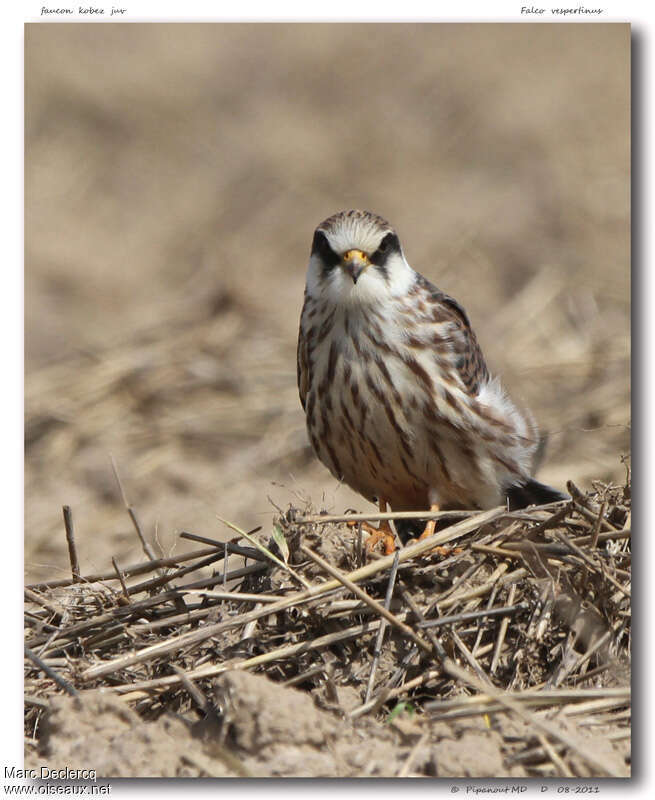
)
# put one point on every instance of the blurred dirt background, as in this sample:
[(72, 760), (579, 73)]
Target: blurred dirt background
[(174, 176)]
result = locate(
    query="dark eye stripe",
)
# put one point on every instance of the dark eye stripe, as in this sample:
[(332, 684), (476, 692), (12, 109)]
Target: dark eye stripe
[(390, 244), (321, 247)]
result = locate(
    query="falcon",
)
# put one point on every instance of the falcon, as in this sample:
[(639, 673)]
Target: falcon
[(399, 402)]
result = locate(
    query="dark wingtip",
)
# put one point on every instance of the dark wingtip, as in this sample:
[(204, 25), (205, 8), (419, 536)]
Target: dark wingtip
[(533, 492)]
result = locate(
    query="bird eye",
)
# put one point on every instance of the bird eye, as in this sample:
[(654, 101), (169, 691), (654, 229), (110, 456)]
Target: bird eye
[(387, 246), (321, 248)]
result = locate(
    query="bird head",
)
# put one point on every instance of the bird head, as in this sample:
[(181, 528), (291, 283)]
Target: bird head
[(356, 255)]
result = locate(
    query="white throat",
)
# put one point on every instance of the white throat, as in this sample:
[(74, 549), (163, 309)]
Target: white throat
[(372, 287)]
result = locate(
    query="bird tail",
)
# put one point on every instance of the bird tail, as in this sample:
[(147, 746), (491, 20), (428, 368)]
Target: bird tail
[(532, 492), (520, 495)]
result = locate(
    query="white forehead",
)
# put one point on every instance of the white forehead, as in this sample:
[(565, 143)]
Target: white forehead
[(355, 232)]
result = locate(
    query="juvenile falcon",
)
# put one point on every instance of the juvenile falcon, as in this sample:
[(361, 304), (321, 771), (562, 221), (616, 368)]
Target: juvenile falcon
[(399, 402)]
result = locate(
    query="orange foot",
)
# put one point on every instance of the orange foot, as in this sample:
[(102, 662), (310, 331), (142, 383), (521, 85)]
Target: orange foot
[(381, 533), (429, 531)]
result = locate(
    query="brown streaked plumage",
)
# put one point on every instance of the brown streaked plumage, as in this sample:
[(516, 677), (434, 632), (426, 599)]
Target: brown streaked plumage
[(398, 398)]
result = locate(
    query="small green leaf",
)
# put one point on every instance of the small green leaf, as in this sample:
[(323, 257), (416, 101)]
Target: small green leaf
[(281, 542), (398, 709)]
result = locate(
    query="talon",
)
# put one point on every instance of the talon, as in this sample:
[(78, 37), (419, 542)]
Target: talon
[(382, 533), (444, 552), (429, 530)]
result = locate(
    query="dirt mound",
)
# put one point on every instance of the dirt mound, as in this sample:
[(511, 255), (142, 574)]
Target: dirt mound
[(101, 732), (268, 731)]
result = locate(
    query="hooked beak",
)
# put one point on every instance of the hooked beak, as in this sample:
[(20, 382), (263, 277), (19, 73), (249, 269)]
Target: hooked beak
[(354, 262)]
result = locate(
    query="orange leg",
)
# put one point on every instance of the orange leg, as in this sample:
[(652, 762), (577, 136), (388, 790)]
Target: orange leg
[(431, 524), (382, 533), (429, 531)]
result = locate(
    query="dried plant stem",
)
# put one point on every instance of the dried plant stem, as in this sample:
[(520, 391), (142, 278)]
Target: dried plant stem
[(468, 616), (383, 624), (70, 540), (232, 547), (407, 766), (504, 624), (131, 571), (596, 529), (121, 578), (560, 766), (215, 594), (194, 693), (595, 706), (379, 516), (51, 673), (147, 549), (50, 604), (436, 644), (500, 552), (531, 698), (377, 607), (485, 588), (471, 660)]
